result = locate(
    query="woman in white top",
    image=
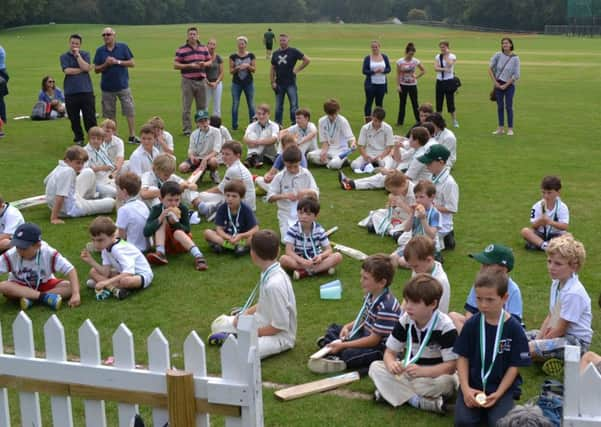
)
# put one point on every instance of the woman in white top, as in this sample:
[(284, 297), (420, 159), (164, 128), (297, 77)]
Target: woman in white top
[(444, 64), (504, 70), (407, 82), (375, 68)]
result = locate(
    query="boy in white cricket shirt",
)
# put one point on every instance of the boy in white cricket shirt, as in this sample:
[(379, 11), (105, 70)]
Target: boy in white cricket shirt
[(71, 188), (375, 142), (100, 162), (141, 159), (261, 137), (447, 192), (336, 137), (10, 219), (425, 377), (304, 131), (113, 145), (31, 264), (213, 197), (163, 140), (132, 215), (204, 147), (163, 168), (124, 267), (289, 186)]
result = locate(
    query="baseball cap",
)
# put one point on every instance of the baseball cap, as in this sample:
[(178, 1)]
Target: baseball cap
[(201, 114), (495, 254), (26, 235), (435, 152)]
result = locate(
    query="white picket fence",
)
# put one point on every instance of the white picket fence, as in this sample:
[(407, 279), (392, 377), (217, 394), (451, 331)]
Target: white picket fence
[(184, 398), (582, 392)]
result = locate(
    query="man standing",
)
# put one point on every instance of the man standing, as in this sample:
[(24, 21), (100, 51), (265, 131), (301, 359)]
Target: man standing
[(283, 77), (192, 59), (112, 60), (79, 92), (3, 89), (268, 37)]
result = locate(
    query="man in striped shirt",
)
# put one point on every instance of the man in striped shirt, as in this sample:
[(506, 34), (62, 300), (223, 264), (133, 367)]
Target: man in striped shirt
[(357, 344), (192, 59)]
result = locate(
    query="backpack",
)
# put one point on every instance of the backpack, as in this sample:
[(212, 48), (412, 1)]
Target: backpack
[(550, 401), (40, 111)]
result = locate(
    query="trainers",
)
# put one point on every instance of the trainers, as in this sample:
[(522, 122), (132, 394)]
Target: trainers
[(200, 263), (344, 181), (331, 271), (326, 365), (216, 248), (103, 294), (510, 132), (120, 293), (215, 177), (187, 132), (455, 123), (498, 132), (157, 258), (53, 301), (25, 303), (432, 405), (91, 283), (449, 240), (321, 341), (241, 250), (219, 338), (299, 274), (133, 140), (553, 368), (2, 134)]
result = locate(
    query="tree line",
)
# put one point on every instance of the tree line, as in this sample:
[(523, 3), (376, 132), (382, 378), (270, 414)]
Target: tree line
[(507, 14)]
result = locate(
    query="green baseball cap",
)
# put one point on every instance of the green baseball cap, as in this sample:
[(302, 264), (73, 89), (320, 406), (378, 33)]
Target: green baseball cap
[(200, 115), (495, 254), (435, 152)]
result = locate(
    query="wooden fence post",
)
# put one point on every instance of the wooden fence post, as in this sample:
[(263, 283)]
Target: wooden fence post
[(180, 398)]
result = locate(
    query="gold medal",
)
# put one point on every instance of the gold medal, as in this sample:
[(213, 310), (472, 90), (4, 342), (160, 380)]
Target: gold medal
[(481, 399)]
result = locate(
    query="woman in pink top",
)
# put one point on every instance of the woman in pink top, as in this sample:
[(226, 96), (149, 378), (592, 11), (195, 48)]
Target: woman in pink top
[(407, 82)]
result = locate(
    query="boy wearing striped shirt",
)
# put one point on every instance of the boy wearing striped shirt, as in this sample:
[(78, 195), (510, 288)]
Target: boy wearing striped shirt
[(425, 376), (100, 162), (357, 344)]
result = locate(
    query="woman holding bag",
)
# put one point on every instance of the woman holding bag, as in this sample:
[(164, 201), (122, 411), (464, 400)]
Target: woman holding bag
[(504, 70)]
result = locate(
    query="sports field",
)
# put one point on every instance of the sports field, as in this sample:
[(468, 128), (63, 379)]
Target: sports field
[(557, 124)]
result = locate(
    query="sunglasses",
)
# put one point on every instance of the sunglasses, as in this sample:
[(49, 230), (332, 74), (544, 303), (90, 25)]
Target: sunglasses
[(106, 35), (50, 81)]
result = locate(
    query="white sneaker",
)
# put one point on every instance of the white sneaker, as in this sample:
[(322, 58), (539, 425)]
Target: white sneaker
[(456, 123), (510, 132), (326, 365), (331, 271), (91, 283), (432, 405), (498, 132)]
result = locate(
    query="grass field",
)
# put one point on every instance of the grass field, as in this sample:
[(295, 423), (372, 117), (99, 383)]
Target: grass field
[(557, 124)]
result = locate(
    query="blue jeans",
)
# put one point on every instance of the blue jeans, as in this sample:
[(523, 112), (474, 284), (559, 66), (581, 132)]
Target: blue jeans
[(373, 92), (505, 101), (280, 93), (2, 109), (249, 93)]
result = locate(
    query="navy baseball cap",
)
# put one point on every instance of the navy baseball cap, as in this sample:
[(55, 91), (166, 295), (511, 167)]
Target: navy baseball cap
[(26, 235)]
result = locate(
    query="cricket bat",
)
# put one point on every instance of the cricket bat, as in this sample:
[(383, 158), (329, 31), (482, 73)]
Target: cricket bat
[(307, 389), (29, 202), (322, 352), (350, 252), (332, 231), (193, 179)]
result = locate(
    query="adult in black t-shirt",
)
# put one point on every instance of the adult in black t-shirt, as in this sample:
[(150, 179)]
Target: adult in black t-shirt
[(283, 77)]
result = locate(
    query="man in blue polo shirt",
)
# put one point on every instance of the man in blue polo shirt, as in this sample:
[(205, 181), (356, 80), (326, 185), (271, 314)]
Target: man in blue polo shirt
[(283, 77), (112, 60), (79, 92)]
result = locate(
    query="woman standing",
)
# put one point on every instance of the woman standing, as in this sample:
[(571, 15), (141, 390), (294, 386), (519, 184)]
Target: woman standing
[(375, 68), (53, 97), (504, 70), (3, 89), (444, 64), (407, 82), (214, 78), (242, 67)]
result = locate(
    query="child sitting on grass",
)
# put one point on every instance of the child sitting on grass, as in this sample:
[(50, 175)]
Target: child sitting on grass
[(163, 140), (235, 222), (549, 217), (100, 162), (278, 164), (132, 215), (10, 219), (425, 376), (356, 344), (308, 250), (124, 268), (203, 149), (141, 159), (31, 264), (169, 224), (113, 145), (569, 319)]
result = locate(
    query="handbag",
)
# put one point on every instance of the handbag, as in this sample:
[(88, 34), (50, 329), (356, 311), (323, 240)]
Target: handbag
[(493, 94), (455, 82)]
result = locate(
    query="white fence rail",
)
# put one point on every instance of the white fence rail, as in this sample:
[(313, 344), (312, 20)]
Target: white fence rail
[(582, 392), (184, 398)]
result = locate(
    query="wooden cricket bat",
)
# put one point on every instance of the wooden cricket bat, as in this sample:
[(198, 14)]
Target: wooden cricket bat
[(322, 352), (348, 251), (332, 231), (307, 389), (29, 202), (193, 179)]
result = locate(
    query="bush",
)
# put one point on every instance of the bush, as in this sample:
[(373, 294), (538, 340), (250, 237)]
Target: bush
[(417, 15)]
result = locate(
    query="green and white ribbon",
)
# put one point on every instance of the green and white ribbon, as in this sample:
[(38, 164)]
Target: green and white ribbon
[(409, 342), (484, 375)]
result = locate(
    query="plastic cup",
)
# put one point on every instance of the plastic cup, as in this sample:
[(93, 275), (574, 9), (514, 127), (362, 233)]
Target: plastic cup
[(331, 290)]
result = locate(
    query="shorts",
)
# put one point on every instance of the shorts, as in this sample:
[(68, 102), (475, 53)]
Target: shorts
[(268, 46), (109, 103), (45, 286), (548, 236), (172, 246)]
